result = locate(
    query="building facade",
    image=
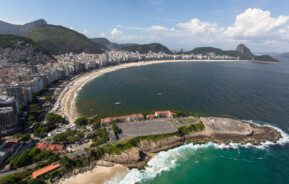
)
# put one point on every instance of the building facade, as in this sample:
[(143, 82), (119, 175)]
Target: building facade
[(8, 120)]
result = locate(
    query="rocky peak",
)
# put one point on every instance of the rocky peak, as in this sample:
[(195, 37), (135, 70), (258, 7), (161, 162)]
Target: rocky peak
[(241, 48), (39, 22)]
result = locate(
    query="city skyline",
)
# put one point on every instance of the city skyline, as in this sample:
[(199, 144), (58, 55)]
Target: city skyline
[(262, 25)]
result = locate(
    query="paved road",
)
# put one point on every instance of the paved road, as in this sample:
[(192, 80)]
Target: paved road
[(18, 170), (148, 127)]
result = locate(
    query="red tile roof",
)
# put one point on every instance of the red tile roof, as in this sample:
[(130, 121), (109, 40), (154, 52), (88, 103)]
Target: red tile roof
[(126, 118), (45, 170), (51, 147)]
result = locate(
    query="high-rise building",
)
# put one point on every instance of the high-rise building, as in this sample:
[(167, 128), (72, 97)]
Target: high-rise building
[(8, 120), (18, 93), (6, 101)]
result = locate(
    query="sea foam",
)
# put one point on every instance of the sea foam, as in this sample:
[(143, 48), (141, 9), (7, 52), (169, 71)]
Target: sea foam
[(166, 160)]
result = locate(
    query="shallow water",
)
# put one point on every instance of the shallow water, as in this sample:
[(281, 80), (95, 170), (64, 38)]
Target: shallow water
[(244, 90)]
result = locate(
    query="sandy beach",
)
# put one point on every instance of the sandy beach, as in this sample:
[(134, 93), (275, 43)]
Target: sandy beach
[(65, 104), (98, 175)]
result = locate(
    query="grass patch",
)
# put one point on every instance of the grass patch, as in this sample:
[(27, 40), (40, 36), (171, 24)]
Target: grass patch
[(187, 129), (133, 142)]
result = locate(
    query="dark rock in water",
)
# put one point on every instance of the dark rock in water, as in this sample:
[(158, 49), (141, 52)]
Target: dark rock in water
[(241, 48)]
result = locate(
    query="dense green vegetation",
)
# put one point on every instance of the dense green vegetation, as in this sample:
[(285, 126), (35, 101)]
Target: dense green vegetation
[(99, 136), (35, 112), (12, 40), (58, 40), (31, 156), (70, 136), (217, 51), (41, 129), (95, 121), (187, 129), (145, 48), (54, 118), (133, 142), (116, 129), (232, 53), (265, 58), (187, 113), (19, 178), (81, 121)]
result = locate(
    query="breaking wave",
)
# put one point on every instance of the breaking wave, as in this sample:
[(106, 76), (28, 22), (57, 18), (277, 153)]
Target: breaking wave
[(166, 160)]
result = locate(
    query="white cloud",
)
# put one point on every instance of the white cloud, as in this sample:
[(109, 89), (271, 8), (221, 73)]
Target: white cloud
[(195, 26), (255, 27), (256, 23), (156, 29), (115, 33), (85, 31), (71, 27), (118, 36)]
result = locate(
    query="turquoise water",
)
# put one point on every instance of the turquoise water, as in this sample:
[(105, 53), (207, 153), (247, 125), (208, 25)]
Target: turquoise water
[(258, 92), (213, 165)]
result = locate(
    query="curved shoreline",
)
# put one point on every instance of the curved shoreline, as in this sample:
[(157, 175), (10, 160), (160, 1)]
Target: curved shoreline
[(65, 104)]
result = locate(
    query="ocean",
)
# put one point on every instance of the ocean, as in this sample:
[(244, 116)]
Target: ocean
[(243, 90)]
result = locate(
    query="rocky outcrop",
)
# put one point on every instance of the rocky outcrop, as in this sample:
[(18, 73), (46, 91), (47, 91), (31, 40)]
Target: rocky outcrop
[(232, 131), (133, 157), (245, 51), (163, 144)]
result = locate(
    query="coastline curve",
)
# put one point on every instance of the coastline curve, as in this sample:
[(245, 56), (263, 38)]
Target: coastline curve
[(65, 104)]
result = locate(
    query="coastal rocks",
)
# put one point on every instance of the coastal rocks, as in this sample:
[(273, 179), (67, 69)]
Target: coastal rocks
[(217, 130), (130, 158), (163, 144)]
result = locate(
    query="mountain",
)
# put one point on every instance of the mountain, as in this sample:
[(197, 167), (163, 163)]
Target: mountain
[(132, 47), (17, 49), (58, 40), (106, 43), (54, 39), (217, 51), (21, 30), (145, 48), (284, 55), (243, 50)]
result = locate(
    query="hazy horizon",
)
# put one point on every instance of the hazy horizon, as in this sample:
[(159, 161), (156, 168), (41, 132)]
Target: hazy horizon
[(263, 26)]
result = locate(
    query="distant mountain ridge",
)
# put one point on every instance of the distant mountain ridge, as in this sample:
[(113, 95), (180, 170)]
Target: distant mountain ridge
[(58, 39), (20, 30), (54, 39), (284, 55), (243, 52), (132, 47)]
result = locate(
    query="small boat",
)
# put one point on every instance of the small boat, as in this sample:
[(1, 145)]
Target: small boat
[(159, 94), (117, 103)]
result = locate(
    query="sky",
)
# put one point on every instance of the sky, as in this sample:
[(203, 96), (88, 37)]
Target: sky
[(263, 25)]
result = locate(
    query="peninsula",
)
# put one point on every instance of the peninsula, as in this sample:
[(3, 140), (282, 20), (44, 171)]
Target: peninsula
[(134, 151)]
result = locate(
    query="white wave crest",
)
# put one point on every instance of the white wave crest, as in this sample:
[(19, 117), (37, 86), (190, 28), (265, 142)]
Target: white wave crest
[(166, 160)]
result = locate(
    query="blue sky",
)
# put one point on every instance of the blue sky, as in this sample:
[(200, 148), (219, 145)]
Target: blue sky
[(262, 24)]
